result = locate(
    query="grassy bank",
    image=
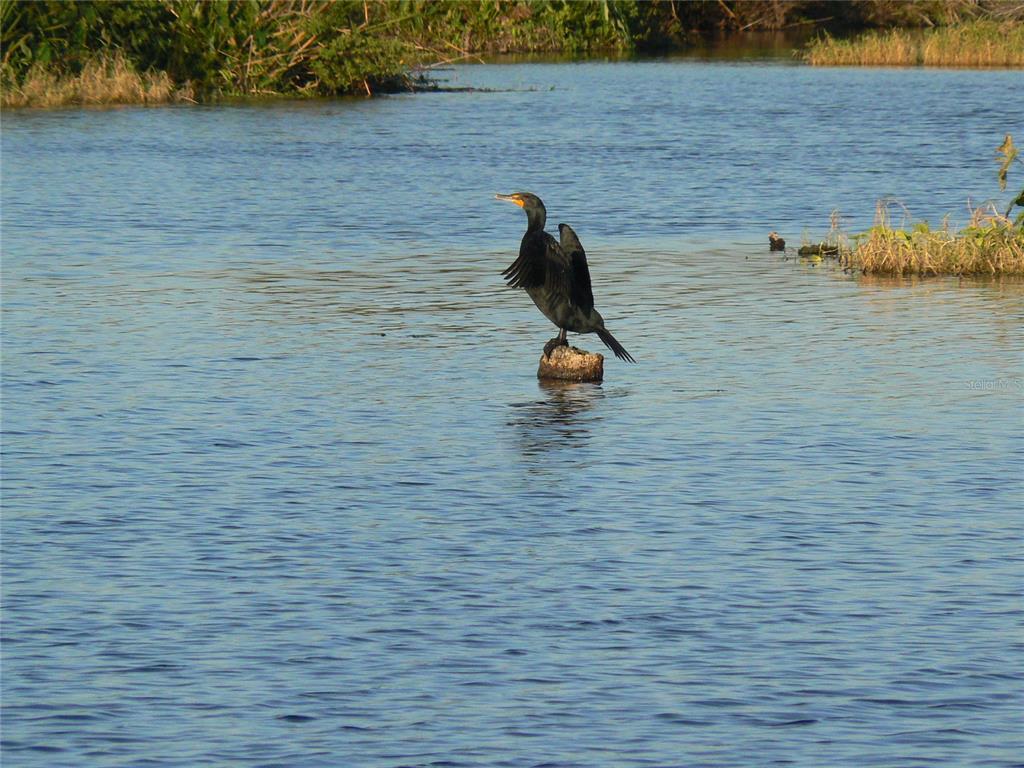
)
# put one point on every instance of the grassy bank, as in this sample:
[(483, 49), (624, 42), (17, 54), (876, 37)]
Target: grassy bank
[(981, 43), (207, 49), (116, 51), (161, 50), (105, 80)]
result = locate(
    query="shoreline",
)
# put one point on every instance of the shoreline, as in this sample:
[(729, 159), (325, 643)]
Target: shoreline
[(166, 51), (46, 90)]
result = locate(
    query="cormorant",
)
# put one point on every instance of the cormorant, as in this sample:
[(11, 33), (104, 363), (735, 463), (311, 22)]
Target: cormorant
[(556, 277)]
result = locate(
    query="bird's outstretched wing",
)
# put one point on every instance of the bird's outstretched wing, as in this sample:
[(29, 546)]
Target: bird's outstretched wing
[(581, 293), (541, 261)]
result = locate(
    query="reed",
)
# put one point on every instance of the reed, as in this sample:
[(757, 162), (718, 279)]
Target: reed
[(102, 80), (990, 245), (978, 43)]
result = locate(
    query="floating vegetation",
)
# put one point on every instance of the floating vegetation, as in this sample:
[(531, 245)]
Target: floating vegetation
[(823, 248), (980, 43), (834, 244)]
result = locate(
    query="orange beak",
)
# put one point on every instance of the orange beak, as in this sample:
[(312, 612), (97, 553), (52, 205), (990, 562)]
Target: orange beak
[(511, 198)]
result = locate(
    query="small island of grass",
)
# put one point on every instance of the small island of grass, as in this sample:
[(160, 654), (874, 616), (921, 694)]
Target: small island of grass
[(991, 244)]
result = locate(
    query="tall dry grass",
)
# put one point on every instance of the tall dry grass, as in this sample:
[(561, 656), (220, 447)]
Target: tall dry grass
[(103, 80), (982, 43), (989, 245)]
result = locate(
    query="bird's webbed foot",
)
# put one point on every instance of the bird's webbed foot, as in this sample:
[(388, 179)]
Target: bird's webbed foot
[(554, 344)]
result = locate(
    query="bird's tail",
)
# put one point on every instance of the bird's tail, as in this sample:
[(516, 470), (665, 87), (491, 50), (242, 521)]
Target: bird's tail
[(614, 346)]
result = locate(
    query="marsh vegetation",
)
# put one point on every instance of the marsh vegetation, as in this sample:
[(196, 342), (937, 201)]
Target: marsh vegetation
[(148, 51), (989, 245), (979, 43)]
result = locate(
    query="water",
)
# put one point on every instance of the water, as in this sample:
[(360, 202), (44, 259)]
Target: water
[(280, 486)]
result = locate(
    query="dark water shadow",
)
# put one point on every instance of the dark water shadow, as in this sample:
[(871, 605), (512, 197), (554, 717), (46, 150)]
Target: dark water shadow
[(562, 418), (780, 45)]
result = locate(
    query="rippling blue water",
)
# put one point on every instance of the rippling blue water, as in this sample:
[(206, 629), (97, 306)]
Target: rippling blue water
[(280, 486)]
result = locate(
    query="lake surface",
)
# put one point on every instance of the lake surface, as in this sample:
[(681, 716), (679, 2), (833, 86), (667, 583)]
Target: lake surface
[(280, 487)]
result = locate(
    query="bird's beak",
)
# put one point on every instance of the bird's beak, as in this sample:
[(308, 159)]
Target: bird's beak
[(510, 198)]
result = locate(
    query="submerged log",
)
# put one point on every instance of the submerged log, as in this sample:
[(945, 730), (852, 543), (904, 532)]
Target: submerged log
[(567, 363), (819, 249)]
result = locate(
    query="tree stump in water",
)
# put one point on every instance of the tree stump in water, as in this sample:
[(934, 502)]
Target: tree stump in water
[(571, 364)]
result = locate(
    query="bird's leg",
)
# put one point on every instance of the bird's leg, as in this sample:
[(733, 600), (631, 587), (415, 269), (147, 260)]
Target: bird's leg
[(552, 345)]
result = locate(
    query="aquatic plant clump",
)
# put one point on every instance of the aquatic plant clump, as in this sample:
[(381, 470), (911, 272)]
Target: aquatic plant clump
[(981, 43), (989, 245)]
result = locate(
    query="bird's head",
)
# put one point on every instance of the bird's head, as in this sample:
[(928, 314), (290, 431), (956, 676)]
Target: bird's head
[(525, 200)]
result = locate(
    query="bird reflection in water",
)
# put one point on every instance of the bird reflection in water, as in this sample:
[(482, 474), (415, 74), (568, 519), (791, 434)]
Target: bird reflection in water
[(560, 419)]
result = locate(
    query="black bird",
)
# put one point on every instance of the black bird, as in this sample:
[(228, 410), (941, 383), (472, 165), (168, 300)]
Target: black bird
[(556, 277)]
